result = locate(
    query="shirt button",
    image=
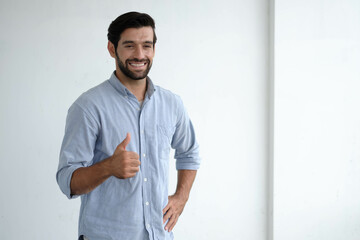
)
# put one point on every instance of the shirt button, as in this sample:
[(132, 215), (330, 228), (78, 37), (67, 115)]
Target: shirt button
[(148, 225), (144, 155), (147, 203), (145, 179)]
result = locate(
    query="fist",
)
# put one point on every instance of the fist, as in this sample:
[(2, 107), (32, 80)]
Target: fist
[(123, 163)]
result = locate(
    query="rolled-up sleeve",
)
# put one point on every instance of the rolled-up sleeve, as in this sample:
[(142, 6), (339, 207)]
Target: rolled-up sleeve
[(78, 145), (184, 142)]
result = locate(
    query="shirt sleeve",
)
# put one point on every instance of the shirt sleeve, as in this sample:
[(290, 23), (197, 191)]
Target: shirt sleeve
[(77, 148), (184, 142)]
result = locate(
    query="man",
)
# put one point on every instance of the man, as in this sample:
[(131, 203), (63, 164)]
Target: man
[(115, 152)]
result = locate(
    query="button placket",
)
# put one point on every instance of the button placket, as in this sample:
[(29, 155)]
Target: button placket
[(145, 186)]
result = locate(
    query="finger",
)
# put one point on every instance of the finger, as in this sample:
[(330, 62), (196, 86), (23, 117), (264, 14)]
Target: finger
[(137, 163), (167, 207), (133, 155), (136, 169), (125, 142), (134, 163), (167, 216), (132, 170), (170, 223), (173, 224), (128, 175)]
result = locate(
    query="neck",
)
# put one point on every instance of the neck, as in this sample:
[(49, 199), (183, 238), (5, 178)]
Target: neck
[(136, 87)]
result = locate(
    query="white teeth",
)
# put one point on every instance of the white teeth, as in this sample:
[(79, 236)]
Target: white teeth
[(137, 65)]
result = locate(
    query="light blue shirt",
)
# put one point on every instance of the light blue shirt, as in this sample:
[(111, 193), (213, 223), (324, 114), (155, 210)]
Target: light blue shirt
[(126, 209)]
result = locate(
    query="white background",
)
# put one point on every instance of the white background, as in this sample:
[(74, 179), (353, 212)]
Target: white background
[(317, 120), (295, 175)]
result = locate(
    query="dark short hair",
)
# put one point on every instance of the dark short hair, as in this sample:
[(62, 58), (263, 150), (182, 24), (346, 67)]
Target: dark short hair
[(129, 20)]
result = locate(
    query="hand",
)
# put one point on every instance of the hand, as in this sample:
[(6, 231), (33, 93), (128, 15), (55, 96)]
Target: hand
[(173, 210), (124, 164)]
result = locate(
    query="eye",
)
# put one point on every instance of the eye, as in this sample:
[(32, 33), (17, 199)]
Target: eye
[(128, 46), (148, 46)]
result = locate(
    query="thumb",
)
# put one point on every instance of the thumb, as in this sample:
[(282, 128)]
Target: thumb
[(125, 142)]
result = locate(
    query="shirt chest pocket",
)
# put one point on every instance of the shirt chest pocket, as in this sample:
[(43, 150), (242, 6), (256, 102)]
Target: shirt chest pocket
[(164, 136)]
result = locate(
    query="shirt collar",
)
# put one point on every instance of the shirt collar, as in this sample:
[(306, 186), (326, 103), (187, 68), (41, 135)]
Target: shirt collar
[(115, 82)]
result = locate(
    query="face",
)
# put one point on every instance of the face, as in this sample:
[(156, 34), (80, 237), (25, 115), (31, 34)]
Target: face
[(135, 52)]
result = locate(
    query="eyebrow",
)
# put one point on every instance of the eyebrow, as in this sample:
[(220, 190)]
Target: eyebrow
[(127, 42)]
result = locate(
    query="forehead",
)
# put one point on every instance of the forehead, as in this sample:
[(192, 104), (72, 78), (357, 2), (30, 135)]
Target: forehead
[(141, 34)]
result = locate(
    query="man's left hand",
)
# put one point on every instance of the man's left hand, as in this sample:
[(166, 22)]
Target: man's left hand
[(173, 210)]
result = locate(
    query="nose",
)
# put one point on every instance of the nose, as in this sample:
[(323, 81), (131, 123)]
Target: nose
[(139, 53)]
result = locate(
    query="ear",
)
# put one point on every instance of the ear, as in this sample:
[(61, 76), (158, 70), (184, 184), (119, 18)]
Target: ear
[(111, 49)]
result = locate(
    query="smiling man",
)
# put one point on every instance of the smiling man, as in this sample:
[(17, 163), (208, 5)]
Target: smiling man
[(118, 135)]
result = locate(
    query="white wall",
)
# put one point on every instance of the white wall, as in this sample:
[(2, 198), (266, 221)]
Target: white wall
[(214, 54), (317, 120)]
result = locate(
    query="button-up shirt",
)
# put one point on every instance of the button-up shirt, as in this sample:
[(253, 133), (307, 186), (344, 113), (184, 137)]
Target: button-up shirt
[(126, 209)]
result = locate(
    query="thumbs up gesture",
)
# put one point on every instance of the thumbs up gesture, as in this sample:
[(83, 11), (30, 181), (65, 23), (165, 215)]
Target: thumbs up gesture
[(123, 163)]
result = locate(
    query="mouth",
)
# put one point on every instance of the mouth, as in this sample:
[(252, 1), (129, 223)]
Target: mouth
[(138, 65)]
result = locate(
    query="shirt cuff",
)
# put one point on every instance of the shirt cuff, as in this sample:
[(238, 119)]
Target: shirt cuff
[(63, 178), (188, 164)]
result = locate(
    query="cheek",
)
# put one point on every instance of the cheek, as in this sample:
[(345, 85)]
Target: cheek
[(123, 58), (150, 56), (123, 55)]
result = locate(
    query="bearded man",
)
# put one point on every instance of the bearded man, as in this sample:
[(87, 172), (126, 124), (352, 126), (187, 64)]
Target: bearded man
[(118, 135)]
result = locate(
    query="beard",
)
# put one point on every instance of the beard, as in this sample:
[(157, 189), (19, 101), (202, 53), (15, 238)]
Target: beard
[(133, 75)]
